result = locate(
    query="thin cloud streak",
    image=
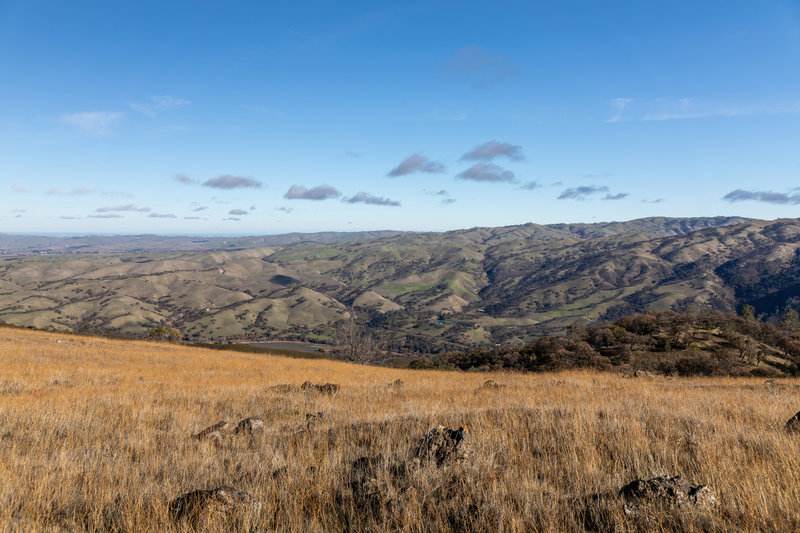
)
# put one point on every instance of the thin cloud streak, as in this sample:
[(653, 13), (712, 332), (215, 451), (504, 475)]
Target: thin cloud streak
[(664, 109), (487, 172), (416, 163), (619, 105), (768, 197), (158, 104), (366, 198), (580, 193), (232, 182), (98, 123), (127, 207), (183, 178), (492, 149)]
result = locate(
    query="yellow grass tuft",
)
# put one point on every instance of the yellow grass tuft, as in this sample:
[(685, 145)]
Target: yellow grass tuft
[(96, 435)]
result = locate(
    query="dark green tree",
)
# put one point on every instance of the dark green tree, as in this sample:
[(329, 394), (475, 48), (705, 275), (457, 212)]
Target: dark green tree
[(748, 312), (165, 333)]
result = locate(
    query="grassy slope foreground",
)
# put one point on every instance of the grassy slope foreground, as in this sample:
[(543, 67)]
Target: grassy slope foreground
[(96, 435)]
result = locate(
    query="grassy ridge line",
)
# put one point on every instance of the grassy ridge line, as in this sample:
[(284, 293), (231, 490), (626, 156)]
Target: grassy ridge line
[(95, 436)]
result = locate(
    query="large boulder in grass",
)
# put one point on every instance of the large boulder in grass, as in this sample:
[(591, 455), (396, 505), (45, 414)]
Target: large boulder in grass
[(249, 426), (199, 504), (327, 388), (490, 385), (671, 491), (216, 432), (793, 424), (443, 445)]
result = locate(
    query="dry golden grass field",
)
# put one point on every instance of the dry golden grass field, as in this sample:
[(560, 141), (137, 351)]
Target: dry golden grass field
[(96, 435)]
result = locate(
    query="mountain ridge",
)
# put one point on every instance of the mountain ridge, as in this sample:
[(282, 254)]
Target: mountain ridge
[(469, 287)]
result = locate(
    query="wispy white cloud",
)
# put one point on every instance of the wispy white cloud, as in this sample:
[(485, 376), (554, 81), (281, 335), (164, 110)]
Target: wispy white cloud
[(127, 207), (530, 185), (321, 192), (661, 109), (769, 197), (582, 192), (366, 198), (58, 191), (492, 149), (158, 104), (183, 178), (416, 163), (116, 194), (232, 182), (619, 105), (487, 172), (18, 187), (97, 123)]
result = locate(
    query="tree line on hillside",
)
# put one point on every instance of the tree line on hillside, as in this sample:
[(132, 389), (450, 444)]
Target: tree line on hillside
[(667, 342)]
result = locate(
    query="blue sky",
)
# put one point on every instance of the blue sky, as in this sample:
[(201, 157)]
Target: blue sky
[(270, 117)]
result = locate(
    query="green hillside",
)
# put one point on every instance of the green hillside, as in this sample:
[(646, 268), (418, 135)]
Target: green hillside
[(416, 291)]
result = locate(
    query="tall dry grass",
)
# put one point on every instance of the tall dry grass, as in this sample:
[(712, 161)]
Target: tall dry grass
[(96, 435)]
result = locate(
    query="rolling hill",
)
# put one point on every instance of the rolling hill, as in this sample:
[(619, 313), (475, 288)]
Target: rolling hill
[(466, 287)]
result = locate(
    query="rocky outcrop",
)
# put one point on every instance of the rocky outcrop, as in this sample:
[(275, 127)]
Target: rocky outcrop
[(490, 385), (216, 432), (249, 426), (327, 388), (793, 424), (223, 429), (672, 491), (198, 504), (443, 445)]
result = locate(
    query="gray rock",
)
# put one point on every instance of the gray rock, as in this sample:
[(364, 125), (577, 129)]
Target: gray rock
[(490, 385), (793, 424), (327, 388), (672, 491), (195, 505), (444, 445), (216, 432), (250, 426)]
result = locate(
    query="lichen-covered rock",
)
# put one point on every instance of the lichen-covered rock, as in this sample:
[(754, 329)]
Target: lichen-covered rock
[(198, 504), (444, 445), (249, 426), (327, 388), (793, 424), (216, 432), (672, 491), (313, 418), (490, 385)]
